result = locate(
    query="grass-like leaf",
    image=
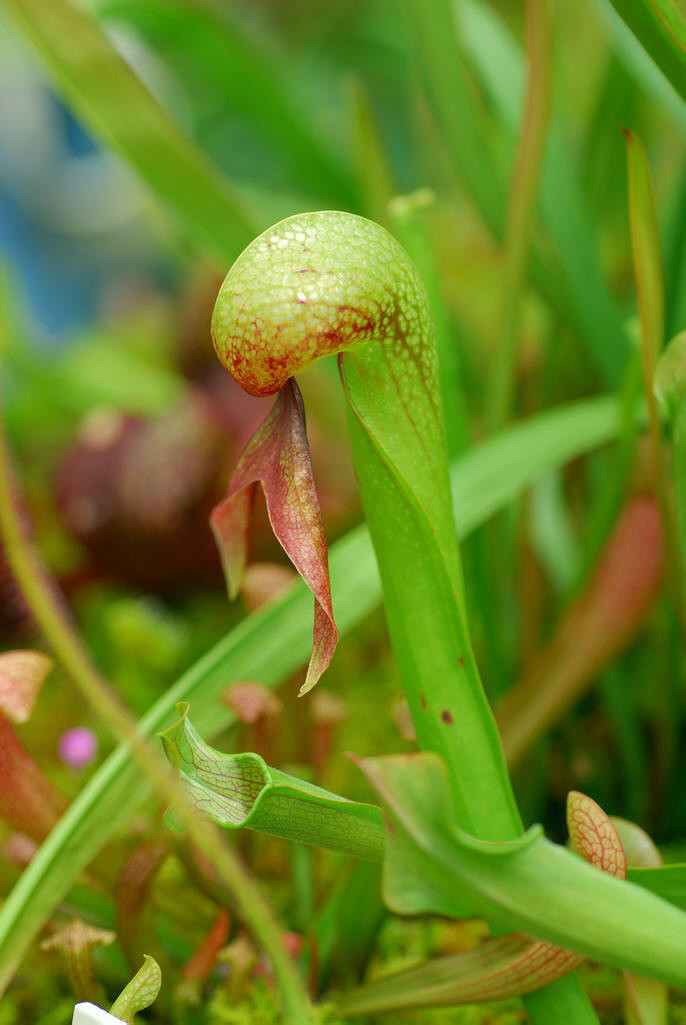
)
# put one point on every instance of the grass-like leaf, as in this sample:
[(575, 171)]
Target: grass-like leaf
[(104, 91), (570, 274), (661, 30), (212, 48), (273, 642)]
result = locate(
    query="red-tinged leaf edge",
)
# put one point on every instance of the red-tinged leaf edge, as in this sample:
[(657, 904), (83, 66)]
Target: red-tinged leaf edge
[(21, 677), (278, 457), (200, 964)]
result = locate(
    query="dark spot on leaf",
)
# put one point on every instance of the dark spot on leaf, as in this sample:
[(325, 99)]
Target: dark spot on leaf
[(446, 716), (422, 701)]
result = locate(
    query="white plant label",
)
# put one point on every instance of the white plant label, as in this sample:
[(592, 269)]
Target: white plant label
[(89, 1014)]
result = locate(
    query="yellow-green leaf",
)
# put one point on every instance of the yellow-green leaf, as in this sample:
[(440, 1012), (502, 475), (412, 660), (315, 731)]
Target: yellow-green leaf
[(140, 993)]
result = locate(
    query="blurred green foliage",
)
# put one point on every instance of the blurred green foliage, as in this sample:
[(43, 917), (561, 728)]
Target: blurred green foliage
[(232, 116)]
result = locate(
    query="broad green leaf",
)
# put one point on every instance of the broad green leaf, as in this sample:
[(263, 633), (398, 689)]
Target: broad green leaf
[(273, 642), (527, 884), (494, 473), (661, 30), (114, 104), (140, 993), (241, 790), (668, 882)]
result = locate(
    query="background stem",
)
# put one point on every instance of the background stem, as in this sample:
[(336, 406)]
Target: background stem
[(679, 437), (520, 210)]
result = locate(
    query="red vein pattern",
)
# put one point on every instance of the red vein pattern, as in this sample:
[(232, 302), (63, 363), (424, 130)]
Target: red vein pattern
[(278, 457), (594, 836)]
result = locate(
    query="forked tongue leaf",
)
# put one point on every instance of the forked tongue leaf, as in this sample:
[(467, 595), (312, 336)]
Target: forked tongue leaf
[(278, 457)]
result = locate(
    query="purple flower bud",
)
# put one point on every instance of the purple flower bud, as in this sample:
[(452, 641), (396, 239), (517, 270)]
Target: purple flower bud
[(78, 747)]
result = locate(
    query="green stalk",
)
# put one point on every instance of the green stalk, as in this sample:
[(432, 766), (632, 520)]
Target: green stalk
[(520, 210), (329, 282), (426, 619), (43, 601), (408, 216)]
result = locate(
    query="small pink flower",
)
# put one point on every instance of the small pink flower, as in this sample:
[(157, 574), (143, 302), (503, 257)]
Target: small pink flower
[(78, 747)]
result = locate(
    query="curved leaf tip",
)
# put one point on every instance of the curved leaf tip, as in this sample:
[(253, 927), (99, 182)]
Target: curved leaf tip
[(241, 791), (140, 993), (593, 835)]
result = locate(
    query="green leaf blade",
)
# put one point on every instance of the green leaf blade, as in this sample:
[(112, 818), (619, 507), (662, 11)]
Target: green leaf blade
[(668, 882), (661, 31)]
